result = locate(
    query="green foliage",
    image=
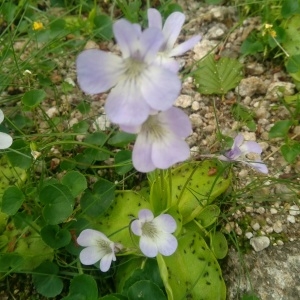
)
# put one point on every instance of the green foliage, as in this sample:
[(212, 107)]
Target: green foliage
[(200, 274), (218, 76), (82, 287), (244, 115), (58, 203), (12, 200), (33, 98), (46, 279)]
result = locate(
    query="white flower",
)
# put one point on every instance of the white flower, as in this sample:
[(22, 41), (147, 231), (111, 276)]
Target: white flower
[(160, 141), (171, 30), (239, 151), (155, 233), (5, 139), (98, 247), (138, 85)]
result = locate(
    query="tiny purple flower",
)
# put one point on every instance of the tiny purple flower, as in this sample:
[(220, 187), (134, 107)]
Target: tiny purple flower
[(171, 31), (155, 233), (239, 151), (5, 139), (98, 247), (160, 141), (139, 86)]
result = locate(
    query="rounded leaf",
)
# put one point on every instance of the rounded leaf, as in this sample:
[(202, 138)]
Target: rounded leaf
[(33, 98)]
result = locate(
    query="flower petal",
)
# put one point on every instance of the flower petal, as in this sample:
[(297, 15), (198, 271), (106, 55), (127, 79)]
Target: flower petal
[(238, 141), (127, 35), (146, 215), (90, 237), (90, 255), (148, 246), (169, 151), (172, 28), (105, 262), (136, 227), (125, 105), (142, 154), (259, 166), (160, 87), (185, 46), (98, 71), (165, 223), (167, 62), (166, 244), (5, 140), (1, 116), (250, 147), (150, 43), (178, 122), (154, 18)]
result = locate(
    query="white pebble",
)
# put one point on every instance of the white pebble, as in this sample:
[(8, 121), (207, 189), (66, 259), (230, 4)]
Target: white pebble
[(259, 243), (184, 101), (261, 210), (277, 226), (273, 211), (280, 243), (294, 210), (249, 235), (291, 219), (255, 226)]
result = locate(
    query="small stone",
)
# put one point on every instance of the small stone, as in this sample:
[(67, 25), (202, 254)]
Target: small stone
[(291, 219), (249, 209), (277, 226), (250, 86), (195, 105), (52, 112), (273, 211), (279, 89), (255, 226), (101, 123), (280, 243), (261, 210), (248, 235), (184, 101), (294, 210), (260, 243)]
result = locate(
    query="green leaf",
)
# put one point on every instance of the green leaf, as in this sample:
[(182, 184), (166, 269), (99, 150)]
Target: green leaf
[(46, 281), (145, 290), (290, 152), (293, 64), (82, 287), (218, 244), (96, 202), (251, 45), (10, 261), (22, 157), (58, 202), (280, 129), (103, 24), (96, 138), (192, 272), (121, 139), (250, 297), (84, 107), (290, 8), (208, 215), (33, 98), (218, 77), (292, 40), (55, 237), (123, 162), (242, 114), (75, 181), (81, 127), (12, 200)]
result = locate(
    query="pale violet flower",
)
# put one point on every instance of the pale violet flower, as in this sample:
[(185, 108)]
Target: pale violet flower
[(239, 151), (5, 139), (171, 30), (98, 247), (160, 141), (155, 233), (139, 86)]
